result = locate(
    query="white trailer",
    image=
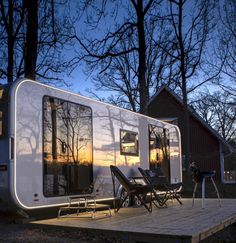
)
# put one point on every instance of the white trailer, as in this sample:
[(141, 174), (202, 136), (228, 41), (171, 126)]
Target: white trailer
[(55, 144)]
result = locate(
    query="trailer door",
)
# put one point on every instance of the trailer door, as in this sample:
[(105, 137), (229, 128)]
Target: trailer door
[(79, 130), (159, 149)]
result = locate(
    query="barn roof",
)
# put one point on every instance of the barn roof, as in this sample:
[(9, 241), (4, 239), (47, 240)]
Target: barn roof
[(193, 113)]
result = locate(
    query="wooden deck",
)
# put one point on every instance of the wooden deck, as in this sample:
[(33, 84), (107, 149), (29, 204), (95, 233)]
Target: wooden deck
[(175, 223)]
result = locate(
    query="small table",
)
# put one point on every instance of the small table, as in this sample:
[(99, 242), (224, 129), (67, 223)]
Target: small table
[(84, 203), (202, 177)]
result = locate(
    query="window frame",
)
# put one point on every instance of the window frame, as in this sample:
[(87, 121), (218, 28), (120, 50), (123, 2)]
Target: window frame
[(137, 146)]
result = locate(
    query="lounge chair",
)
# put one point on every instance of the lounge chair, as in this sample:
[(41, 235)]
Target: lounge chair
[(158, 180), (132, 189)]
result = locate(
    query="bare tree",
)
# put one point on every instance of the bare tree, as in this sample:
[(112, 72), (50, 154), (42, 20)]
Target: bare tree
[(126, 40), (219, 111), (122, 75), (203, 105), (226, 49), (54, 37), (12, 19), (33, 36), (191, 29)]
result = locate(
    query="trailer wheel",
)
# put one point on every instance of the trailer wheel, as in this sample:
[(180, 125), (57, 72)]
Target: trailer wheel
[(127, 202), (136, 202)]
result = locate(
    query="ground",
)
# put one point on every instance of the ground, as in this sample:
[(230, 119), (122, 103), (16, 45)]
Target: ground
[(12, 229), (17, 232)]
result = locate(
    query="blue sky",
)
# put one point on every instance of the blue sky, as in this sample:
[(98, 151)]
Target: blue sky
[(81, 82)]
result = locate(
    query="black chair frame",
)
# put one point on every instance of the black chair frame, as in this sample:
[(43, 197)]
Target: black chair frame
[(132, 189), (161, 183)]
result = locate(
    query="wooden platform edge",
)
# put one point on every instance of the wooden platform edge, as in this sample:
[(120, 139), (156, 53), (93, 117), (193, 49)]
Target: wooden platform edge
[(147, 237), (212, 230), (125, 236)]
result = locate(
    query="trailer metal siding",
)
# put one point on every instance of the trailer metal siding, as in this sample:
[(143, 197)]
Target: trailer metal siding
[(25, 137)]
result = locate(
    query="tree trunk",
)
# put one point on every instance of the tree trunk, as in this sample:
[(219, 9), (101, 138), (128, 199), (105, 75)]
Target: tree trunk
[(143, 89), (31, 39), (186, 137), (10, 41)]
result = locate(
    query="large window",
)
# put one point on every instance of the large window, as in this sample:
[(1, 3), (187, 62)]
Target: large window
[(159, 146), (128, 143), (67, 138)]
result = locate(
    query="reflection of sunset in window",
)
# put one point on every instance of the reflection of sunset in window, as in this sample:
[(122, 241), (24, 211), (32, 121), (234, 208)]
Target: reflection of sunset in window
[(68, 136), (1, 93), (67, 147), (159, 144), (159, 148)]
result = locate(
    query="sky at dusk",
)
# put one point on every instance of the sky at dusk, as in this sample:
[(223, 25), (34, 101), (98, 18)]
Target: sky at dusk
[(81, 82)]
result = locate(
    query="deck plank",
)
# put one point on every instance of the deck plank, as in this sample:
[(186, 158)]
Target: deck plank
[(175, 222)]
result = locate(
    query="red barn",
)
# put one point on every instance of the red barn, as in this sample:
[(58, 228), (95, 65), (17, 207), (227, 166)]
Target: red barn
[(207, 147)]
